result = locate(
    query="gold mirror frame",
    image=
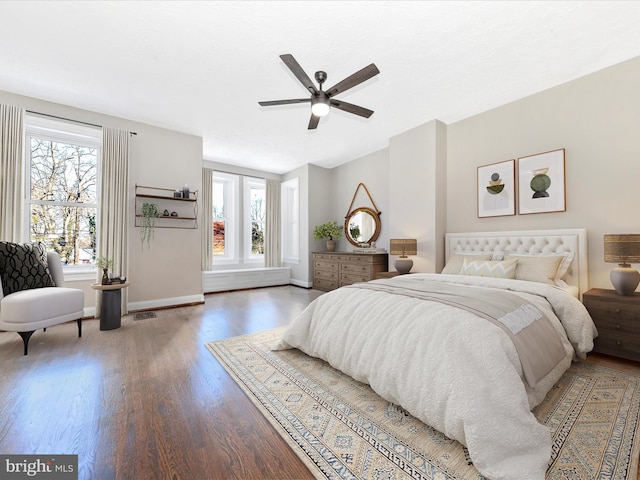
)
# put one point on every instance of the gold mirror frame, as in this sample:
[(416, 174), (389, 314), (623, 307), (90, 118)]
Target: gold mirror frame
[(351, 215), (348, 228)]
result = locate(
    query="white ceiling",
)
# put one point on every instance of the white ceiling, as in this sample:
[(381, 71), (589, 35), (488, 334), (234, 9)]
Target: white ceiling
[(201, 67)]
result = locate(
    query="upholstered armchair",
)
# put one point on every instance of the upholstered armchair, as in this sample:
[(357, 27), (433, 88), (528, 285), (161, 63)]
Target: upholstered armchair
[(31, 292)]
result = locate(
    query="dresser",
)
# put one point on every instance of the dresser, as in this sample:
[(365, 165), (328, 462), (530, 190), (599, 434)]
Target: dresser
[(336, 269), (617, 318)]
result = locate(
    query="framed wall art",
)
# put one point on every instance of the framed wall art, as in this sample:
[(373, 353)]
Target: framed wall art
[(496, 189), (542, 183)]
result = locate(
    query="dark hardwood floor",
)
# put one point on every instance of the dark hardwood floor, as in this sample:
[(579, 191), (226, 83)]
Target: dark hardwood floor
[(149, 401)]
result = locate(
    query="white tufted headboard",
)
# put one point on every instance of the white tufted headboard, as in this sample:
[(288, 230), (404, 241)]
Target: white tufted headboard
[(529, 241)]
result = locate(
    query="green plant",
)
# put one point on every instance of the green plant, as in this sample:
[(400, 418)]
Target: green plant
[(150, 212), (104, 262), (329, 230)]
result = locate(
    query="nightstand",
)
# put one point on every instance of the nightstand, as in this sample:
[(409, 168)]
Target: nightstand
[(617, 318), (385, 275)]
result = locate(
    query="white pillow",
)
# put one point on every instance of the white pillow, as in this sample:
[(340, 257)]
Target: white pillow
[(566, 258), (536, 268), (488, 268), (454, 264)]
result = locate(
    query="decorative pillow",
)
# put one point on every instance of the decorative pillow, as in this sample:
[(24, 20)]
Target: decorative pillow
[(454, 264), (488, 268), (23, 266), (537, 268)]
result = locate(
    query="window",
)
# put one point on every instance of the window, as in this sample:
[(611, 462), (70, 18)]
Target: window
[(61, 204), (225, 188), (290, 221), (239, 214), (255, 215)]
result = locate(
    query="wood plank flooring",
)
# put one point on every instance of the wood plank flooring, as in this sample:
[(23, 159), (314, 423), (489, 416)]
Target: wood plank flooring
[(148, 400)]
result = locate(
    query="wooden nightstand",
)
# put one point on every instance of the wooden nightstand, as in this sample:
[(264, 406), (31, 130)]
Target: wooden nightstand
[(386, 275), (617, 318)]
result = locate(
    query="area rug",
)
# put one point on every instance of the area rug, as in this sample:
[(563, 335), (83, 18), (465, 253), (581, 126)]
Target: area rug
[(342, 429)]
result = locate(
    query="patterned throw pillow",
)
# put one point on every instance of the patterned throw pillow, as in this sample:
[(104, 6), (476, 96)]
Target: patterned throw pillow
[(23, 266), (488, 268), (454, 263)]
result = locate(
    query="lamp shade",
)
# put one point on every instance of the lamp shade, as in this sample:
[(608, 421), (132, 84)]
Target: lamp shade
[(622, 249), (403, 247), (320, 106)]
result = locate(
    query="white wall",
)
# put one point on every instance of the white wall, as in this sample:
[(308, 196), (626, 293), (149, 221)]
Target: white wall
[(597, 120), (169, 272), (417, 184), (371, 171)]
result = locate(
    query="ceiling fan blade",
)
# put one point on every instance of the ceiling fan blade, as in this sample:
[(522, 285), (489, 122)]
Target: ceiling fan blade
[(351, 81), (297, 70), (351, 108), (313, 122), (284, 102)]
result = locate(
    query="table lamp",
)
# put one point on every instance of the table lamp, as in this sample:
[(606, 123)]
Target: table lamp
[(403, 247), (623, 249)]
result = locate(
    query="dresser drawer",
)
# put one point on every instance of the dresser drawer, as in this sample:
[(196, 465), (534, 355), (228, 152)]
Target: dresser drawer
[(326, 265), (617, 344), (611, 311), (326, 275), (356, 268), (322, 284), (349, 278)]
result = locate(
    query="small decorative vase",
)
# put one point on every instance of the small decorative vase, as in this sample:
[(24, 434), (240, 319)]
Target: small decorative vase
[(331, 245), (105, 276)]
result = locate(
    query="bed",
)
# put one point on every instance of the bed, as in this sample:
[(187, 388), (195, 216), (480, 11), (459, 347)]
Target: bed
[(469, 351)]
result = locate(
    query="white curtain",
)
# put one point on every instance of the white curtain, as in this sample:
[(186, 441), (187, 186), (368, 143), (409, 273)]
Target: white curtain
[(11, 172), (272, 229), (114, 205), (207, 218)]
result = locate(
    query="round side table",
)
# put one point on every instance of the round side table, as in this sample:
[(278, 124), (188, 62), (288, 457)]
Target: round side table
[(110, 312)]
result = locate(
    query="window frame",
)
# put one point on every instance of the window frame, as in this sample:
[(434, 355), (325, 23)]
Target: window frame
[(290, 201), (250, 183), (230, 199), (72, 133)]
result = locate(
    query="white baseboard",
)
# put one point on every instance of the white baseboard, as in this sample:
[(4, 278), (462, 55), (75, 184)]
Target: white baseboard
[(165, 302), (223, 280), (301, 283)]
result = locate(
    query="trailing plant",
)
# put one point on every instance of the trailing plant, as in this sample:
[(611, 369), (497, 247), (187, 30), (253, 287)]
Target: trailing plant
[(329, 230), (150, 212)]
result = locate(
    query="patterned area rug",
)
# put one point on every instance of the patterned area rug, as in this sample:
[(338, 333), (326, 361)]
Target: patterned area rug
[(341, 429)]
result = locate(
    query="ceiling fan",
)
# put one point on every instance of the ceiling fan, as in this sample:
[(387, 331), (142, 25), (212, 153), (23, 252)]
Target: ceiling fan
[(320, 100)]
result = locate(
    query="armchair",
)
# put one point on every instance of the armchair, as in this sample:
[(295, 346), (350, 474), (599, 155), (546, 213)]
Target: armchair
[(27, 310)]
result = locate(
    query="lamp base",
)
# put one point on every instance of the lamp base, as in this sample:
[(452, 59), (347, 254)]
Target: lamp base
[(403, 265), (625, 279)]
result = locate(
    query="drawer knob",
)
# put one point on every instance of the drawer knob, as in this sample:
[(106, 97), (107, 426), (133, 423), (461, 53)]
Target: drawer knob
[(618, 342), (617, 326), (617, 310)]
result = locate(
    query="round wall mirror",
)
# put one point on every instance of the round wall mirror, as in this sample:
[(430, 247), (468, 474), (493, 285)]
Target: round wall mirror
[(361, 226)]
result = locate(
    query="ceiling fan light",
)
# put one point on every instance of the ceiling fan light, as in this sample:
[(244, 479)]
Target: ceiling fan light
[(320, 106)]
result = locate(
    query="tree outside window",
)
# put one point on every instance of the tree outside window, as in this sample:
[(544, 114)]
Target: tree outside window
[(258, 212), (63, 198)]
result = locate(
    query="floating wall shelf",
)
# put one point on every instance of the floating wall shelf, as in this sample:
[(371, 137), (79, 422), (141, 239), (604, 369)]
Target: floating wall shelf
[(175, 211)]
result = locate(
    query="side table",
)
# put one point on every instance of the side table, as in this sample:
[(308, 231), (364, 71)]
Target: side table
[(110, 311), (617, 318)]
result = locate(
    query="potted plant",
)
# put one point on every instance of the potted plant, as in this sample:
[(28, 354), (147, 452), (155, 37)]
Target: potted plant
[(329, 231), (104, 263), (150, 212)]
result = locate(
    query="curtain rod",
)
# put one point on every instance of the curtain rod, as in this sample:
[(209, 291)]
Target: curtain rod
[(70, 120)]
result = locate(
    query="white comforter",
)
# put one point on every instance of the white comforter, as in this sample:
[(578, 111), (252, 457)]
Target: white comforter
[(449, 368)]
